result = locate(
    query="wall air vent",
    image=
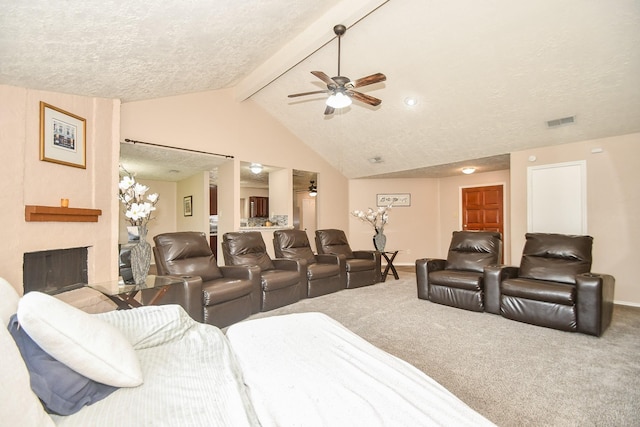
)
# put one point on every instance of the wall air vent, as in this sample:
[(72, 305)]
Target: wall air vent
[(561, 122)]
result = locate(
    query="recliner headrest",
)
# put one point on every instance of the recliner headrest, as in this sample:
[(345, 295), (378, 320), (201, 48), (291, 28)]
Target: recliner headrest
[(556, 257), (246, 248)]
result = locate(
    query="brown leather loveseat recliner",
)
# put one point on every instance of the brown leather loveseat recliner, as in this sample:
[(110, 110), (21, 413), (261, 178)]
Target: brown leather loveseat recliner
[(281, 279), (553, 287), (222, 295), (325, 273), (459, 280), (363, 267)]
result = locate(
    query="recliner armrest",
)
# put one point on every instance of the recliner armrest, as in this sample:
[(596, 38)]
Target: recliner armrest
[(187, 294), (423, 267), (594, 305), (374, 256), (247, 272), (365, 254), (493, 277), (328, 259), (243, 272), (289, 264)]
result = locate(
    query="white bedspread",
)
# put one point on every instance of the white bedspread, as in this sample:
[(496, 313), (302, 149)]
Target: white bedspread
[(191, 377), (308, 370)]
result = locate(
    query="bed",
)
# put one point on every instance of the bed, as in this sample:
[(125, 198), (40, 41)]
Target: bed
[(292, 370), (307, 369)]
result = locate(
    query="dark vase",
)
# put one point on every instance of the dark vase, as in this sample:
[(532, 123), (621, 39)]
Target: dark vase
[(141, 257), (379, 241)]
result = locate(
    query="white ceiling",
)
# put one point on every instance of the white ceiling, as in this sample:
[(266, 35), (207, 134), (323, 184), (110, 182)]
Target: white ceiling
[(487, 74)]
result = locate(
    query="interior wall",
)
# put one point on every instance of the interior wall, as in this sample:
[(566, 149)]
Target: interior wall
[(215, 122), (281, 202), (164, 217), (613, 203), (424, 229), (26, 180), (197, 187), (451, 205), (412, 230)]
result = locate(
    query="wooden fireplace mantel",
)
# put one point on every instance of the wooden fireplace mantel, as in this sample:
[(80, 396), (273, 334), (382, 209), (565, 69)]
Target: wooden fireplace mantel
[(53, 213)]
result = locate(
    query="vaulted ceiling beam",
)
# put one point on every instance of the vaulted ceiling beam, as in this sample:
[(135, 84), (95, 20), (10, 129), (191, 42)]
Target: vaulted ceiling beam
[(348, 12)]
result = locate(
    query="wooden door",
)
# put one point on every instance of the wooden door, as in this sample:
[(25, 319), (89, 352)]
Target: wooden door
[(483, 209)]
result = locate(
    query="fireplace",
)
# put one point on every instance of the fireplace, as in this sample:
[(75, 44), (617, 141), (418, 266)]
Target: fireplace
[(55, 271)]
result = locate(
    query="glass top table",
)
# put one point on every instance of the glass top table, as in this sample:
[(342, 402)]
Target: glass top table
[(124, 295)]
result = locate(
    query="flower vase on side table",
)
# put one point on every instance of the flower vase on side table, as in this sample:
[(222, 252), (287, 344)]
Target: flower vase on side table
[(140, 257), (379, 240)]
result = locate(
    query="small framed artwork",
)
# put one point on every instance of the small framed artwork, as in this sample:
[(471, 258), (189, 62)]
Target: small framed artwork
[(187, 204), (62, 137), (396, 199)]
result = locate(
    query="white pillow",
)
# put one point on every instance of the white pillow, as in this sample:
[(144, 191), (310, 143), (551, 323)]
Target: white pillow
[(86, 344)]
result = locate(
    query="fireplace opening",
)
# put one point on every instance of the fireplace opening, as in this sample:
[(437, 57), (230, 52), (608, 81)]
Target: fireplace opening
[(55, 271)]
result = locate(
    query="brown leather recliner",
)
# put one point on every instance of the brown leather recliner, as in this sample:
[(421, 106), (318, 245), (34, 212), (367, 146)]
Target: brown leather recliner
[(459, 280), (222, 295), (363, 267), (325, 273), (553, 286), (281, 279)]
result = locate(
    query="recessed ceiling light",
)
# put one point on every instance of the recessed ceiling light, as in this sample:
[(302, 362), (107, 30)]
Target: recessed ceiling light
[(468, 170), (410, 101), (255, 168), (376, 159)]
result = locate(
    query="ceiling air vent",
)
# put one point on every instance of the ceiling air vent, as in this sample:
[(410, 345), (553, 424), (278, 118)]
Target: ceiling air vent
[(561, 122)]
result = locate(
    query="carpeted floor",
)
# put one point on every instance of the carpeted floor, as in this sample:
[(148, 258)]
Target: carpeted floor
[(513, 373)]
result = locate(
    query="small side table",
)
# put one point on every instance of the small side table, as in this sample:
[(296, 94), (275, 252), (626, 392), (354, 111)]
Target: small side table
[(124, 295), (389, 256)]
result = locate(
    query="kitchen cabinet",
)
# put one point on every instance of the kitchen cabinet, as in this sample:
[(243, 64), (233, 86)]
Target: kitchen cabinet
[(259, 207)]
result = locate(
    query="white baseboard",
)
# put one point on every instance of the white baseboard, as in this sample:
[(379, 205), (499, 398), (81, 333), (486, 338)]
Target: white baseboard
[(627, 303)]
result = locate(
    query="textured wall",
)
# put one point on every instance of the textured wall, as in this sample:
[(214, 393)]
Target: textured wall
[(613, 204), (28, 181)]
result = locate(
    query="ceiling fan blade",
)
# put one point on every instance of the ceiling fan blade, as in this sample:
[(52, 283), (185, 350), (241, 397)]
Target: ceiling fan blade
[(308, 93), (322, 76), (367, 99), (329, 110), (369, 80)]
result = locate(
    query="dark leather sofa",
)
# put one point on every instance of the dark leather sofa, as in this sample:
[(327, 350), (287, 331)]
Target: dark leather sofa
[(553, 287), (216, 295), (325, 273), (459, 280), (363, 267), (280, 279)]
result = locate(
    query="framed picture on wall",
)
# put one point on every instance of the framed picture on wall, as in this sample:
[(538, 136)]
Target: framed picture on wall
[(187, 204), (395, 199), (62, 137)]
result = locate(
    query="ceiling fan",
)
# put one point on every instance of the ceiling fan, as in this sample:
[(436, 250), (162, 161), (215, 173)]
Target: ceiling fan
[(341, 87)]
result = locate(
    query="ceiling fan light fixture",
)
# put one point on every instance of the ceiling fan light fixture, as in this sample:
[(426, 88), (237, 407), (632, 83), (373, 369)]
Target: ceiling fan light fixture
[(313, 189), (255, 168), (339, 100)]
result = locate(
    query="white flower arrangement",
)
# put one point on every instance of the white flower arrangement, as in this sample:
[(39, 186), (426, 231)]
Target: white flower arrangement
[(136, 209), (377, 218)]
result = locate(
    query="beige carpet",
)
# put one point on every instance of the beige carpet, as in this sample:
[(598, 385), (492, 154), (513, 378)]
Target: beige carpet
[(513, 373)]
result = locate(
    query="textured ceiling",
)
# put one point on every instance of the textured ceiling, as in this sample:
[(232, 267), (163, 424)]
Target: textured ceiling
[(142, 49), (487, 75)]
